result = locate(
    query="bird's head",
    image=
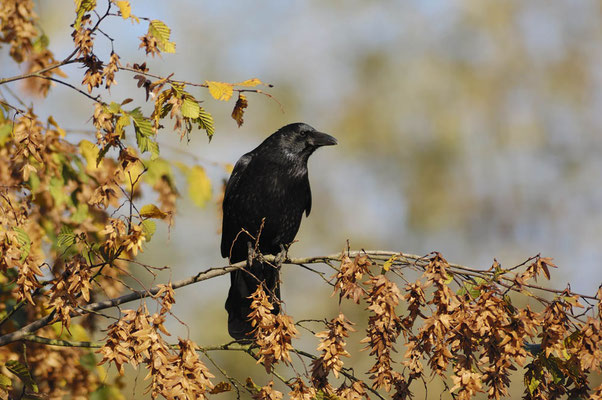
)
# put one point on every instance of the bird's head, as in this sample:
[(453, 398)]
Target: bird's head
[(300, 140)]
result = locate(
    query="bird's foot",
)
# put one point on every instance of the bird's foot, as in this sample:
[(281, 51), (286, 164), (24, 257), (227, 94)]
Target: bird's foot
[(253, 254), (282, 256)]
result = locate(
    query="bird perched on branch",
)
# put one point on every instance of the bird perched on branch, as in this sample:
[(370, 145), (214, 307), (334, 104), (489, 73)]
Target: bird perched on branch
[(265, 198)]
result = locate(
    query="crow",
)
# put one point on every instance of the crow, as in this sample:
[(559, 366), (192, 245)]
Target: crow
[(265, 198)]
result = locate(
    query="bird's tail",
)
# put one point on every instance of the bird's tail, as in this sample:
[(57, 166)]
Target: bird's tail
[(242, 285)]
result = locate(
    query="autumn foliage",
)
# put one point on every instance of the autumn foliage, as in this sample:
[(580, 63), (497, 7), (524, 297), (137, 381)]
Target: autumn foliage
[(71, 227)]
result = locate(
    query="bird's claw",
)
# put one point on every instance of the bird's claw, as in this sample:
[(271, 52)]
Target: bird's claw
[(282, 256)]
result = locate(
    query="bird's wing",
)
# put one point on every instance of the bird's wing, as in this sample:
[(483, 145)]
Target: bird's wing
[(308, 201), (237, 172), (229, 226)]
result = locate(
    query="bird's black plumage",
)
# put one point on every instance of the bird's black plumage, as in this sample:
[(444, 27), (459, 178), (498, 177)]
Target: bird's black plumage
[(269, 183)]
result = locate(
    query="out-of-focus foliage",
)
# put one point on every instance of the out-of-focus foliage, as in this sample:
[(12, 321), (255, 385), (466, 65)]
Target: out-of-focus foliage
[(69, 224)]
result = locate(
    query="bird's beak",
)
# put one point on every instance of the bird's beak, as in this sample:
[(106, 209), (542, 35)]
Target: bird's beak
[(322, 139)]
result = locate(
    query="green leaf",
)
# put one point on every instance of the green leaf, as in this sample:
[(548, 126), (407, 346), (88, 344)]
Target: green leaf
[(55, 188), (65, 239), (533, 384), (105, 392), (24, 242), (156, 169), (471, 289), (205, 121), (80, 214), (41, 43), (5, 131), (141, 124), (23, 373), (34, 182), (148, 227), (146, 144), (154, 150), (101, 155), (144, 132), (199, 186), (88, 361), (161, 32), (190, 108), (114, 108), (81, 8), (5, 381), (122, 122)]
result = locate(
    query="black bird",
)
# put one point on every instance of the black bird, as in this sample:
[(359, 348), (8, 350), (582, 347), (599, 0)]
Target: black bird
[(268, 184)]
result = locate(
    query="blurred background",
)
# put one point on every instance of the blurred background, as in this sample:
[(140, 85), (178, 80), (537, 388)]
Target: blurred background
[(469, 127)]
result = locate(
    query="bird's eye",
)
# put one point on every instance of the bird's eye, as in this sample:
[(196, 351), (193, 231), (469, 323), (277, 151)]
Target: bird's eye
[(303, 133)]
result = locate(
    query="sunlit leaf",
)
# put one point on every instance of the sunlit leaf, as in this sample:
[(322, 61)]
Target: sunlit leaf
[(144, 133), (90, 153), (133, 174), (389, 263), (220, 90), (249, 82), (533, 384), (81, 8), (122, 122), (205, 121), (148, 227), (199, 186), (24, 242), (124, 8), (161, 32), (152, 211), (5, 381), (141, 124), (65, 239), (190, 108)]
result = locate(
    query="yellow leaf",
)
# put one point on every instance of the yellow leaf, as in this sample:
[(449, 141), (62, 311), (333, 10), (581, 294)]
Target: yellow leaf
[(199, 186), (60, 130), (90, 153), (250, 82), (220, 90), (125, 8), (133, 172), (389, 263), (152, 211)]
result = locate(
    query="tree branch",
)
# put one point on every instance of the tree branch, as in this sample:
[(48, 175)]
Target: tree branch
[(101, 305), (402, 260), (35, 74)]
